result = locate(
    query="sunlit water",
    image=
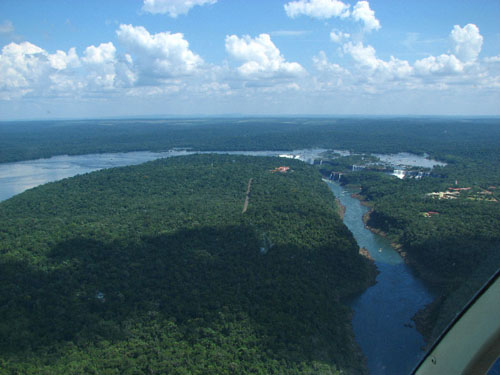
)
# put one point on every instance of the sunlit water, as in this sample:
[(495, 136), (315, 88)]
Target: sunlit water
[(20, 176), (382, 314), (404, 159)]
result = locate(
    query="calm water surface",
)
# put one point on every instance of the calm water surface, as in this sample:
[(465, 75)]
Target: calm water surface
[(20, 176), (382, 314), (404, 159)]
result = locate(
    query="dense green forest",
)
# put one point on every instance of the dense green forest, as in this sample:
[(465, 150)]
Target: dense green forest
[(441, 137), (450, 238), (155, 269)]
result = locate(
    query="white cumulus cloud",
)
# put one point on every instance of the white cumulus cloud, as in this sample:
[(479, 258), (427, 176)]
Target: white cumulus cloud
[(365, 57), (261, 57), (173, 7), (101, 63), (492, 59), (441, 65), (323, 65), (153, 60), (324, 9), (21, 67), (362, 12), (104, 53), (321, 9), (467, 42), (26, 68), (338, 36), (62, 60), (331, 77), (159, 56)]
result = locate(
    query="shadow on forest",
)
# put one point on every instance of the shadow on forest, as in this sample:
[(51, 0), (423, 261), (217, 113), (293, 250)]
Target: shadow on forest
[(464, 271), (90, 288)]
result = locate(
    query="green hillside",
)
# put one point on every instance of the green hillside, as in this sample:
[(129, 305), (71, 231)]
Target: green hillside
[(155, 269)]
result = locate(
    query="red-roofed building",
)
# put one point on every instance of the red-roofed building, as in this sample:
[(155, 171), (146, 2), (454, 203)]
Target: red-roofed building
[(281, 169)]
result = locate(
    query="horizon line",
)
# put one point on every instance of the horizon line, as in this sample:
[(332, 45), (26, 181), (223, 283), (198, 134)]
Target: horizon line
[(237, 115)]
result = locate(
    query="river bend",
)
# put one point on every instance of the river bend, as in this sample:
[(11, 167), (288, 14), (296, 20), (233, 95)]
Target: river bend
[(382, 314)]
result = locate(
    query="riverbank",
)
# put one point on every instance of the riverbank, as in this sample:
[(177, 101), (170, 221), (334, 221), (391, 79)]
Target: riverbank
[(425, 317), (431, 280), (396, 246), (340, 209), (361, 199), (364, 252), (383, 312)]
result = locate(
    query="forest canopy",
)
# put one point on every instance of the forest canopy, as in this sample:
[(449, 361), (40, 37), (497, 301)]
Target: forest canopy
[(155, 269), (446, 223)]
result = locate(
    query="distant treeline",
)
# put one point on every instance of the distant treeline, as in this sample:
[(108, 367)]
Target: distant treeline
[(438, 136), (154, 269)]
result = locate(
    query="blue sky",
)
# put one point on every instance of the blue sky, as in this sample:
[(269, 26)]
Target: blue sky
[(74, 59)]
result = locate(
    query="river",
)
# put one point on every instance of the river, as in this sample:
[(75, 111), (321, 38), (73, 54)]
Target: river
[(381, 314), (19, 176)]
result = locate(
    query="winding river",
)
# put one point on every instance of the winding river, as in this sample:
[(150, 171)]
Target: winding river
[(382, 314)]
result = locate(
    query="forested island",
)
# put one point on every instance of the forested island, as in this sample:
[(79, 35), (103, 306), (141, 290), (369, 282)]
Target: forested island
[(157, 268)]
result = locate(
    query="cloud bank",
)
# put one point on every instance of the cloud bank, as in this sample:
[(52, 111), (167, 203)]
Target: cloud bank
[(321, 9), (173, 8), (325, 9), (163, 65)]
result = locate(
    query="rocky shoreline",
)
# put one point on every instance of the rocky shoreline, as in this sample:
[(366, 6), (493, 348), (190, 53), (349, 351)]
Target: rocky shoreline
[(364, 252)]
